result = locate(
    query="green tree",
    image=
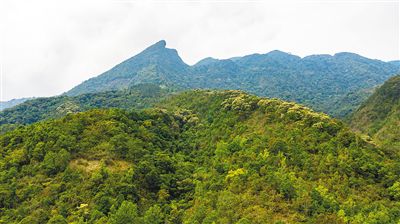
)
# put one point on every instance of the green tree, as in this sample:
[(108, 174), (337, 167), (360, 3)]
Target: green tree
[(153, 215), (55, 162), (126, 213)]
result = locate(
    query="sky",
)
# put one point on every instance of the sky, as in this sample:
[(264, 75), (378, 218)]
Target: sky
[(48, 47)]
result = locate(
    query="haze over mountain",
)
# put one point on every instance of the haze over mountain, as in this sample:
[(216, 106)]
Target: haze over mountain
[(396, 62), (320, 81), (11, 103), (138, 97)]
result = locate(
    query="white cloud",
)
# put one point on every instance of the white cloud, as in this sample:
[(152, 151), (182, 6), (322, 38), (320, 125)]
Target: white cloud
[(50, 46)]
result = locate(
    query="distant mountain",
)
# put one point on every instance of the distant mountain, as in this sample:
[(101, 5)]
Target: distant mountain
[(379, 116), (138, 97), (11, 103), (323, 82), (206, 61), (397, 62), (200, 157)]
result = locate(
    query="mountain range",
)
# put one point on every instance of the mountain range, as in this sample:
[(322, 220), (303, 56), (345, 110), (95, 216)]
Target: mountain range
[(332, 84), (336, 84), (145, 143)]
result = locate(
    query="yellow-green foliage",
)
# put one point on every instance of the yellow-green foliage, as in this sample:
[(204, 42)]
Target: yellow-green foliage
[(379, 116), (200, 157)]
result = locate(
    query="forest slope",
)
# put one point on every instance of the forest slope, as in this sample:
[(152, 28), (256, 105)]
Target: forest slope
[(379, 116), (200, 157)]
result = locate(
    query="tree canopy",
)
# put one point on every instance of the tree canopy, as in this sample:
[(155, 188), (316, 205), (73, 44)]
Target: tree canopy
[(197, 157)]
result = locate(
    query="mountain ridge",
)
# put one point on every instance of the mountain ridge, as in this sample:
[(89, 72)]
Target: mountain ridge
[(318, 81), (135, 97), (13, 102), (156, 59)]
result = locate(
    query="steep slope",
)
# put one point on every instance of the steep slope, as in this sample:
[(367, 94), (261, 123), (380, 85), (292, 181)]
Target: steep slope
[(322, 82), (138, 96), (156, 64), (379, 116), (202, 157)]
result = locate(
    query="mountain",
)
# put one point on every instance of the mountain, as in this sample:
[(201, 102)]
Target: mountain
[(333, 84), (379, 116), (156, 64), (322, 82), (199, 157), (206, 61), (138, 96), (396, 62), (11, 103)]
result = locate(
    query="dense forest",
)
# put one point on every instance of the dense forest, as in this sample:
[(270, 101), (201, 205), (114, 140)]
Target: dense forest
[(196, 157), (139, 96), (379, 116)]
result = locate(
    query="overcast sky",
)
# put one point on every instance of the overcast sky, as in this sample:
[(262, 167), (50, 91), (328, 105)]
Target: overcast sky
[(47, 47)]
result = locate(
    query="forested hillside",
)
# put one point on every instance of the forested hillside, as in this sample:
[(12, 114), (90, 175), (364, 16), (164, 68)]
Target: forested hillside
[(333, 84), (379, 116), (198, 157), (156, 64), (138, 96)]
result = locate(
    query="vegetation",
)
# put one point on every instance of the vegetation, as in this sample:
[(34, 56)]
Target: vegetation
[(139, 97), (379, 116), (333, 84), (198, 157), (345, 106), (11, 103), (156, 64)]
